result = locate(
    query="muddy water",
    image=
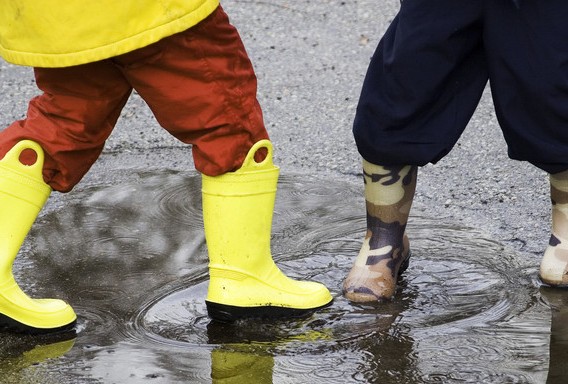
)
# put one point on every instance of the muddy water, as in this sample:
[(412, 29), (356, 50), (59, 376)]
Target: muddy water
[(131, 259)]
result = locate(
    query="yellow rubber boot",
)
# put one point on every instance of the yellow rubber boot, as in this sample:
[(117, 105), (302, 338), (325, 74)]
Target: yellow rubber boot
[(23, 193), (244, 281)]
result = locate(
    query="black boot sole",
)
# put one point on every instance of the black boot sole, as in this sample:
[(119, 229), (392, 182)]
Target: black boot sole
[(230, 313), (7, 324)]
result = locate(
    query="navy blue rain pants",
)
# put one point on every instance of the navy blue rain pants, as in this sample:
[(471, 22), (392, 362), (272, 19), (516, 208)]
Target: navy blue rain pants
[(429, 71)]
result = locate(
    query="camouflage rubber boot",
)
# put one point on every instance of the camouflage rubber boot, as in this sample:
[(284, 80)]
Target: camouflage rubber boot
[(554, 265), (385, 252)]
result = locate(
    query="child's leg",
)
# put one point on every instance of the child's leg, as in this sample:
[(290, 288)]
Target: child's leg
[(527, 58), (423, 83), (201, 86), (421, 88), (384, 255), (554, 265), (71, 119)]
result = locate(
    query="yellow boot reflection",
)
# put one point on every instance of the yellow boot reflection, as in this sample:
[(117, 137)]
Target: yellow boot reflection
[(20, 352), (231, 366), (234, 361)]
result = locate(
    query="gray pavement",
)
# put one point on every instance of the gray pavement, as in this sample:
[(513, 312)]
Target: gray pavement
[(310, 57)]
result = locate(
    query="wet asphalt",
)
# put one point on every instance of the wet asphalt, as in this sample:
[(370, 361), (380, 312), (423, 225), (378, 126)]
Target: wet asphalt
[(310, 58)]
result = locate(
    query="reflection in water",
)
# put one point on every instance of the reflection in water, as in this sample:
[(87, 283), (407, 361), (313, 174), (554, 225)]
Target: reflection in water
[(236, 366), (132, 261), (557, 300), (20, 356)]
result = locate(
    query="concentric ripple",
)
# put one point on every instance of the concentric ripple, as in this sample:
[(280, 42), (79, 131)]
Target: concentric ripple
[(132, 260)]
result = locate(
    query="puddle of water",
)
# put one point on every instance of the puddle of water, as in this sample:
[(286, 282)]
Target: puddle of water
[(557, 301), (132, 261)]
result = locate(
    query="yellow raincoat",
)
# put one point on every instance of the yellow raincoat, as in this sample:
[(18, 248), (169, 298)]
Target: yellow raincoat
[(61, 33)]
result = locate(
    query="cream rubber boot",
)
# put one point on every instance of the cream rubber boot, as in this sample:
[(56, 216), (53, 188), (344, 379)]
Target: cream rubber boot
[(554, 264), (237, 215), (23, 193), (385, 252)]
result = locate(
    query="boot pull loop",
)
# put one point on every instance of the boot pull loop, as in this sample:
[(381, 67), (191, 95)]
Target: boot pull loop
[(250, 163), (12, 159)]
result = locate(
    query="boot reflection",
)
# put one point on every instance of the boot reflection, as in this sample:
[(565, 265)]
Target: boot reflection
[(231, 365), (558, 301), (245, 349), (21, 351)]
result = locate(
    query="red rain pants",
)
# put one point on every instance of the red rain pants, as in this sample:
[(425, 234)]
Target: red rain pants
[(199, 84)]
